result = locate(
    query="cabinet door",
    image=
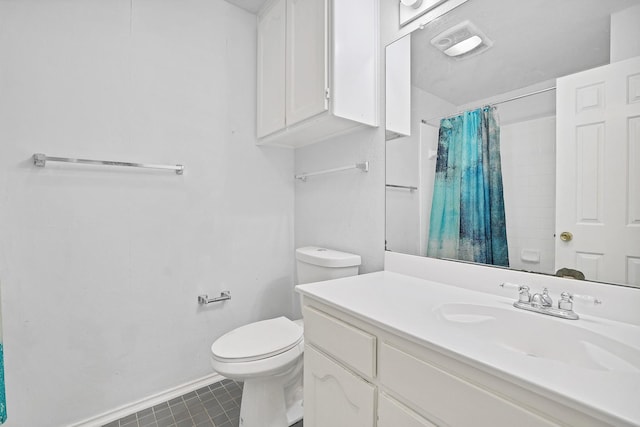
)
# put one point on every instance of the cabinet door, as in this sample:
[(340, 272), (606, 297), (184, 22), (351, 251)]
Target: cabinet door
[(306, 75), (334, 397), (271, 68), (398, 87)]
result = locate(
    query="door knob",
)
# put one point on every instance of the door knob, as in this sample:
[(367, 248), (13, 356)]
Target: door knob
[(566, 236)]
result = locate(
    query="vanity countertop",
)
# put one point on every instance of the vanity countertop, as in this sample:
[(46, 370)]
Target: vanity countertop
[(435, 315)]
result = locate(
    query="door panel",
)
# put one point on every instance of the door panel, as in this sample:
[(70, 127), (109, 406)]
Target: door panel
[(598, 180)]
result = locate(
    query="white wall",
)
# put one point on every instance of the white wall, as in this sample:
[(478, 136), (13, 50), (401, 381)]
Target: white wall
[(101, 266), (343, 210), (625, 34), (529, 177)]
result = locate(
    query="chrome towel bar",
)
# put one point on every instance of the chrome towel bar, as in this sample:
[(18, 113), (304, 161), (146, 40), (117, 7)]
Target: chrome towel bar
[(204, 299), (41, 160), (404, 187), (363, 166)]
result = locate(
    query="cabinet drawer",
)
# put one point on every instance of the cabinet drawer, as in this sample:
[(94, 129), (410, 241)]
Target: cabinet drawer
[(443, 396), (350, 345), (394, 414)]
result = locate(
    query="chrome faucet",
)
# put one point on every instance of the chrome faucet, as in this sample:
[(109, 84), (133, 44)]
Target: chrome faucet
[(542, 303), (542, 300)]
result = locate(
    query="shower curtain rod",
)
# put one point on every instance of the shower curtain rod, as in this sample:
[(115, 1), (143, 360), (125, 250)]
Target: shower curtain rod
[(493, 104)]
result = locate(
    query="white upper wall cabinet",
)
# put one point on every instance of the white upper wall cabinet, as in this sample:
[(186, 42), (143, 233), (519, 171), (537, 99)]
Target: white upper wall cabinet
[(317, 69), (398, 88), (271, 68)]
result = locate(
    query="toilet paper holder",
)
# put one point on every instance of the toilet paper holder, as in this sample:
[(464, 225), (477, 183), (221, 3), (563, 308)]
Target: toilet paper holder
[(204, 299)]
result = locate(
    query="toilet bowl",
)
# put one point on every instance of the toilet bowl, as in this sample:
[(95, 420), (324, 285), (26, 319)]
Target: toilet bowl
[(268, 355)]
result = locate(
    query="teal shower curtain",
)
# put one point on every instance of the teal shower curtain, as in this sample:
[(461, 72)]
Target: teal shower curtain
[(467, 214)]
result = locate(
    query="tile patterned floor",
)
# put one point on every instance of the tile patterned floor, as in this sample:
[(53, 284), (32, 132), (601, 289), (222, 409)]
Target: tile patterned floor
[(217, 405)]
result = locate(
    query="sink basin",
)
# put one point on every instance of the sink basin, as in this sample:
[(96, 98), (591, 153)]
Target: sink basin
[(538, 336)]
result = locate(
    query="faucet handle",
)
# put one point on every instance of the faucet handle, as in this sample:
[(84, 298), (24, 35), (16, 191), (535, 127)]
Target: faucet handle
[(508, 285), (566, 301), (525, 296), (523, 290)]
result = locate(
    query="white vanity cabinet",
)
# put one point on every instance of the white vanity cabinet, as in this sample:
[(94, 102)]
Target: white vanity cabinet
[(358, 373), (317, 69)]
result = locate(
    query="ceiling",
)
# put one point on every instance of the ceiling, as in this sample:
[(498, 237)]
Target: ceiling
[(533, 41), (252, 6)]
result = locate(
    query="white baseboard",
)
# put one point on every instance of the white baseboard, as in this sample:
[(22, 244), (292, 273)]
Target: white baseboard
[(132, 408)]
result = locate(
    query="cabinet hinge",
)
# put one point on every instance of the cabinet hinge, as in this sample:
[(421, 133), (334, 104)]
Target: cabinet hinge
[(327, 93)]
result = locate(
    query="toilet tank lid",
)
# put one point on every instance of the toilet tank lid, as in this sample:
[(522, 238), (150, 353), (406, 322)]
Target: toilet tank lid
[(327, 257)]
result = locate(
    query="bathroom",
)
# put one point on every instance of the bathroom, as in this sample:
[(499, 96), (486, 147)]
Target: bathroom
[(100, 267)]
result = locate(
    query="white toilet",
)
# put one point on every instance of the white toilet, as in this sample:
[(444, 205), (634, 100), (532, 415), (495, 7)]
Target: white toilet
[(267, 355)]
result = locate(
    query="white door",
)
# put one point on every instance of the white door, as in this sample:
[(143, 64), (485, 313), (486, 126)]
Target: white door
[(306, 76), (271, 68), (333, 396), (598, 172)]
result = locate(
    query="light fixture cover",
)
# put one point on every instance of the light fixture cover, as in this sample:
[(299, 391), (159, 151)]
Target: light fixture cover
[(462, 41), (465, 46)]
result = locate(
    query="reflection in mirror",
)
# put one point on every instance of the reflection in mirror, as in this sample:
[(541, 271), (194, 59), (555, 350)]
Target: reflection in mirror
[(522, 55)]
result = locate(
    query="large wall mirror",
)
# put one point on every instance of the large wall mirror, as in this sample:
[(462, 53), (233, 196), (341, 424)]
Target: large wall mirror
[(568, 157)]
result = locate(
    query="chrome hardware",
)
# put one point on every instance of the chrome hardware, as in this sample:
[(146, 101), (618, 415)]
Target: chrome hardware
[(363, 166), (404, 187), (566, 301), (41, 160), (542, 303), (204, 299), (566, 236), (542, 300)]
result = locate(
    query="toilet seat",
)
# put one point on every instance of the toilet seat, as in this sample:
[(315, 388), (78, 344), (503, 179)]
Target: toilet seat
[(257, 341)]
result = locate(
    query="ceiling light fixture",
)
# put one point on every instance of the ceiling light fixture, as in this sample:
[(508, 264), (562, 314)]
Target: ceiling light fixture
[(465, 46), (462, 41)]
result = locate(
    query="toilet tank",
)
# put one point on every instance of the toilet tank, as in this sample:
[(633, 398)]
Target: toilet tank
[(316, 264)]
